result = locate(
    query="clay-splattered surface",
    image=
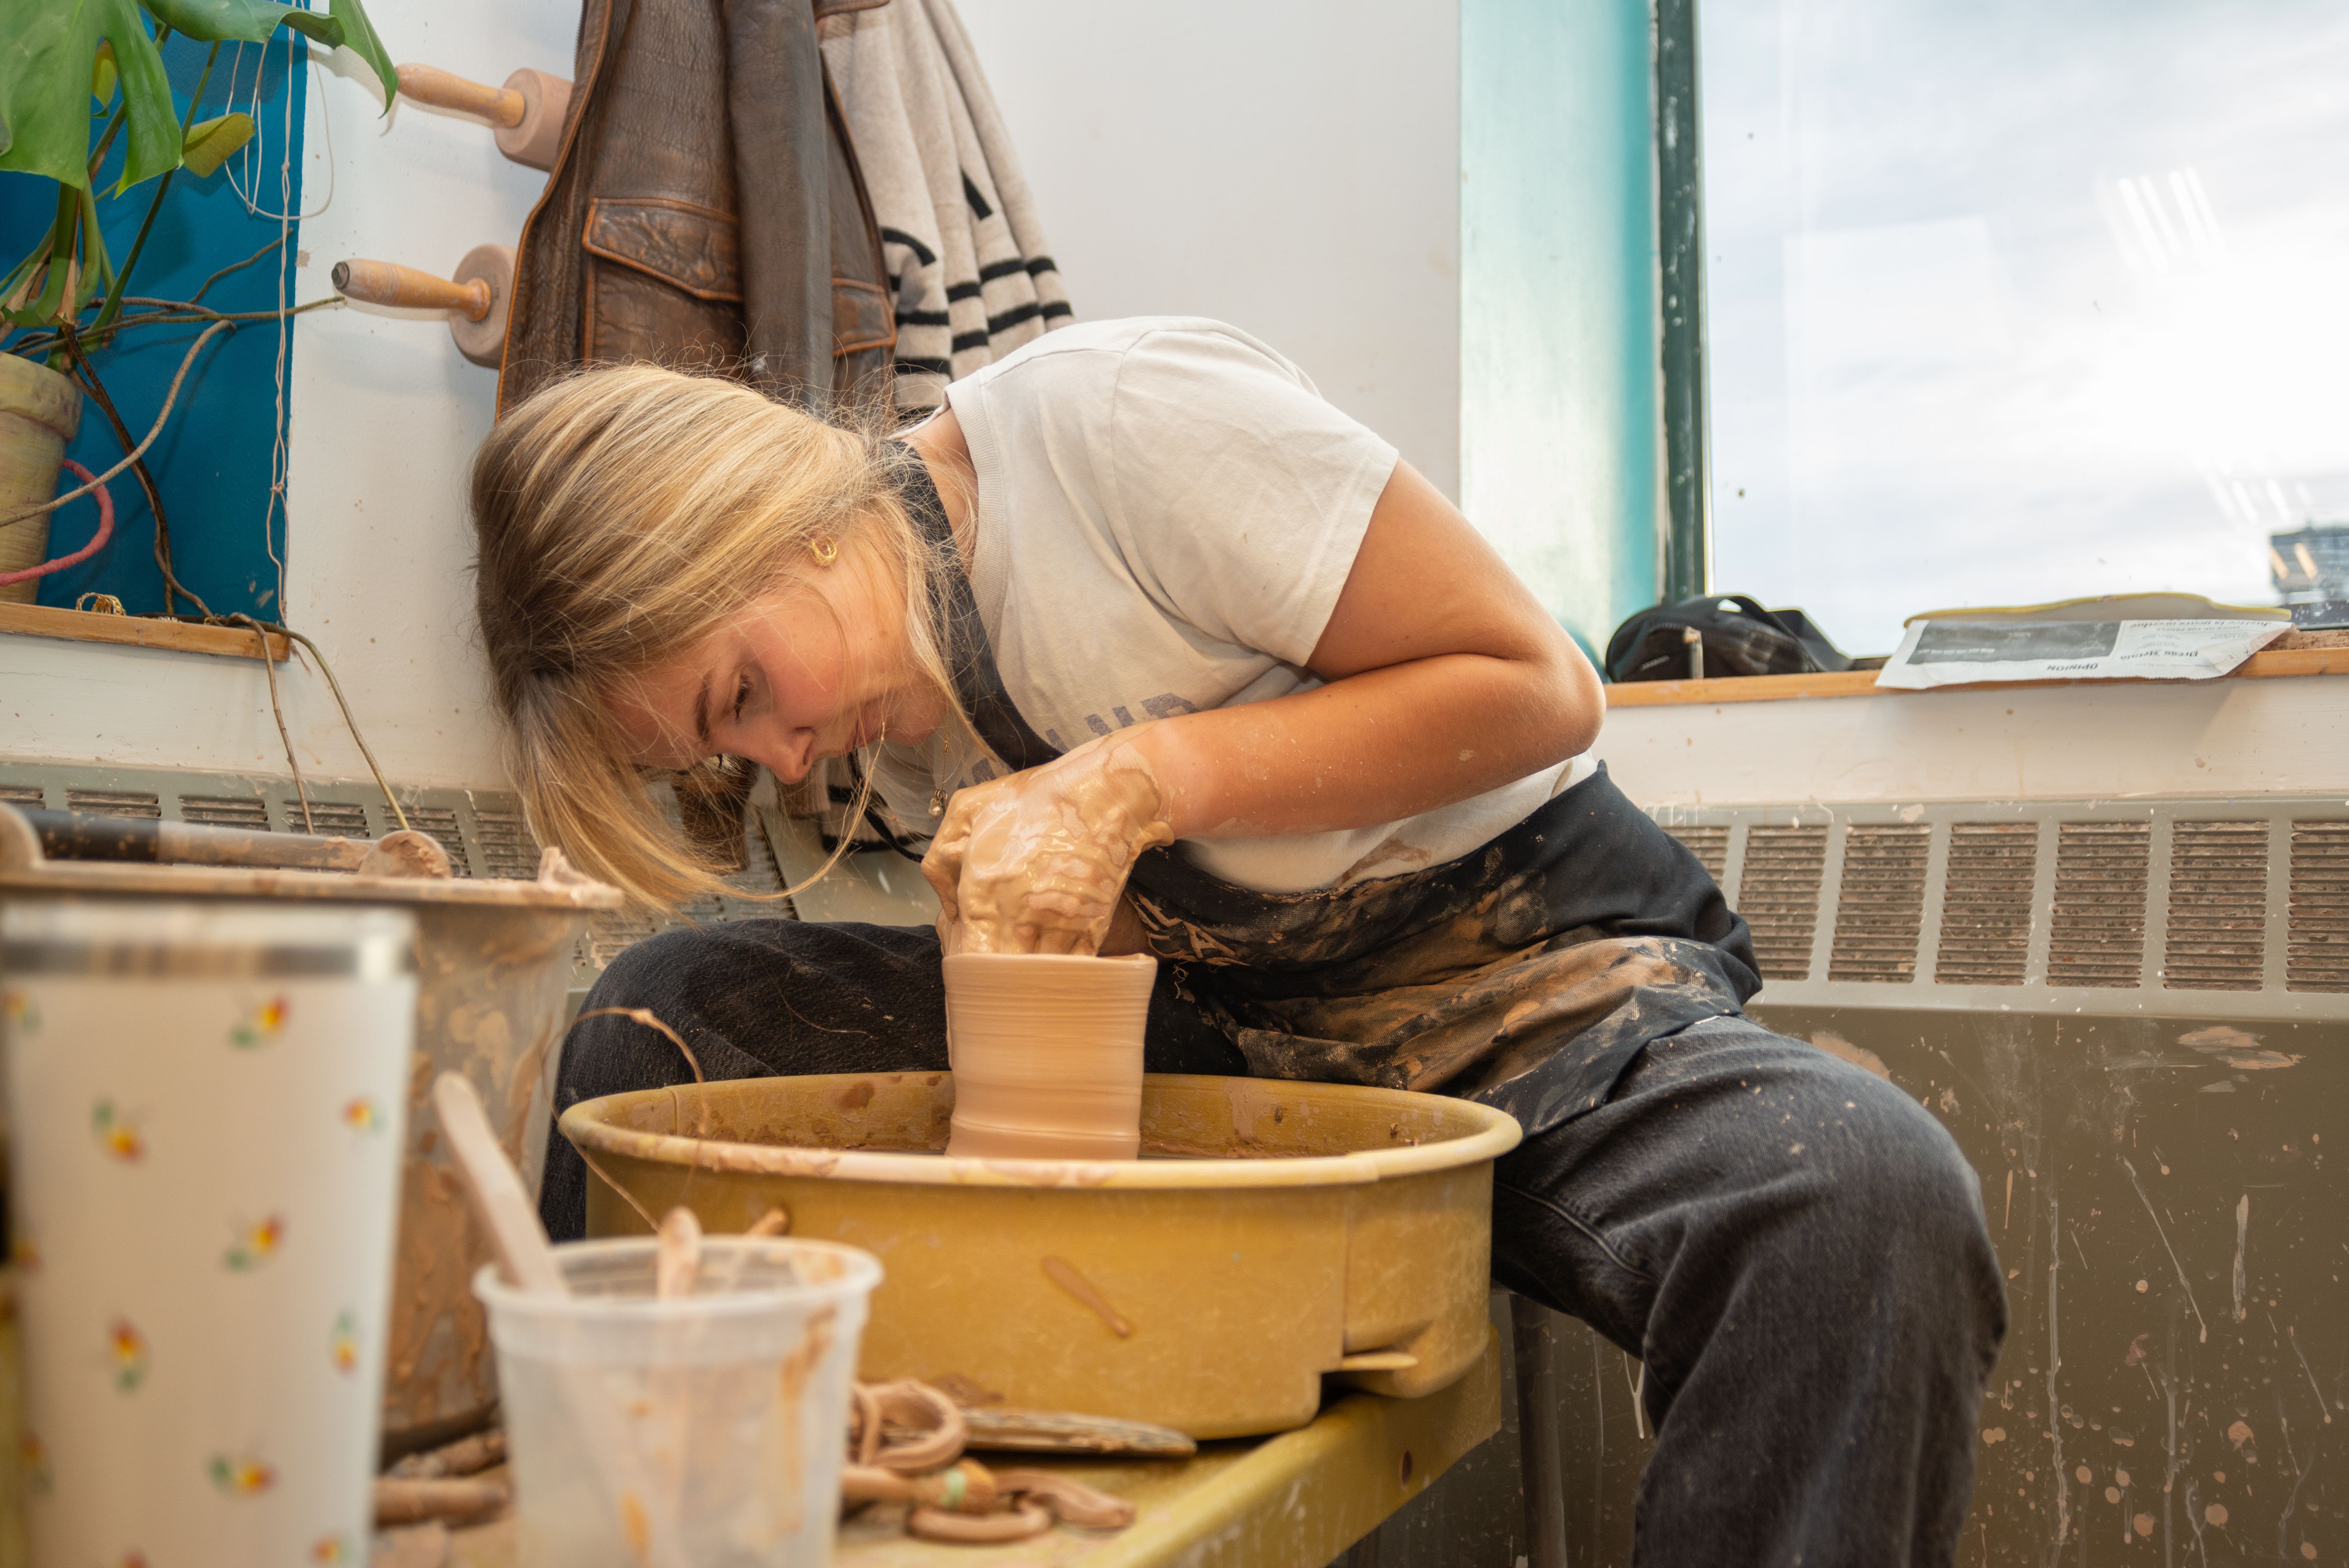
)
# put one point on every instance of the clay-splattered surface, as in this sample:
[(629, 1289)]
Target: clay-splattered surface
[(489, 1007), (2171, 1209)]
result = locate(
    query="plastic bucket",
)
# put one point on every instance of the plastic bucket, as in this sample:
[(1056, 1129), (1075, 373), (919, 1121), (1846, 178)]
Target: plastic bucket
[(205, 1106), (695, 1432)]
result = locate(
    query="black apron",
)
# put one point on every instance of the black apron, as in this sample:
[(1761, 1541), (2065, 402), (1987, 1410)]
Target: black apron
[(1526, 973)]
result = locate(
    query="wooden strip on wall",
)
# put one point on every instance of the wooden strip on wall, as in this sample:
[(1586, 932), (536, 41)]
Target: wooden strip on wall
[(138, 630)]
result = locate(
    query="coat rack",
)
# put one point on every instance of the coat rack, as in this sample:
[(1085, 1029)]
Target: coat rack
[(526, 114), (477, 298)]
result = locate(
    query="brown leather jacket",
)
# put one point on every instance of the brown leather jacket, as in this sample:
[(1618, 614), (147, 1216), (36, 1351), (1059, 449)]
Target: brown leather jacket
[(706, 209)]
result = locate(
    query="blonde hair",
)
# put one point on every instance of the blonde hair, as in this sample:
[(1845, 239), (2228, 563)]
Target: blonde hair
[(622, 514)]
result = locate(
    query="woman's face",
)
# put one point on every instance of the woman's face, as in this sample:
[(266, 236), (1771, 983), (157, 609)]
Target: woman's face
[(816, 668)]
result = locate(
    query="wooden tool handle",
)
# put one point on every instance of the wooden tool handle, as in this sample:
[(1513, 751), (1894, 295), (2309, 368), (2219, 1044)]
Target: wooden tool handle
[(500, 1201), (446, 89), (388, 283), (77, 836)]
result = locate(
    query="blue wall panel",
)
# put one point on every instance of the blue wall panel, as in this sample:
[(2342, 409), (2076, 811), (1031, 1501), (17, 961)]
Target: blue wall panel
[(214, 463)]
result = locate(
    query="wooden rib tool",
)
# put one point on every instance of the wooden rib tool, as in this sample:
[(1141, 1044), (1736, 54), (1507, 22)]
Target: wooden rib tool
[(526, 113), (477, 299)]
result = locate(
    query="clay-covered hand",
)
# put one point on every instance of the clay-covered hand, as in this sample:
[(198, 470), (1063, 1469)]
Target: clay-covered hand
[(1034, 862)]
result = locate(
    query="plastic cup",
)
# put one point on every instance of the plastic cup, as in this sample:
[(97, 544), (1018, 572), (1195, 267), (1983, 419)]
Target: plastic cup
[(714, 1423)]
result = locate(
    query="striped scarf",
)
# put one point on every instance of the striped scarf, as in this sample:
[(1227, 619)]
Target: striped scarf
[(958, 231)]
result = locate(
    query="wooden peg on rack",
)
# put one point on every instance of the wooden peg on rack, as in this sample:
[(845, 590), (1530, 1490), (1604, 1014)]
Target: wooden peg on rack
[(477, 299), (526, 113)]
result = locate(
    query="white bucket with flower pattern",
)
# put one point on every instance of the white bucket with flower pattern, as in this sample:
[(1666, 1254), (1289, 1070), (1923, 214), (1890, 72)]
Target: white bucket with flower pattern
[(205, 1104)]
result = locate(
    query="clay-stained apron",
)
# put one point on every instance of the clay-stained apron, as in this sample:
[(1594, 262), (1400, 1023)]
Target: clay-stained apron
[(1527, 974)]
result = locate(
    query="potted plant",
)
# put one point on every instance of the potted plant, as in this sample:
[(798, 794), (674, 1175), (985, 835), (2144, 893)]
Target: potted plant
[(76, 76)]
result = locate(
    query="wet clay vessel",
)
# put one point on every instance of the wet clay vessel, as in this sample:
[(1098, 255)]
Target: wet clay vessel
[(1271, 1235), (1047, 1054)]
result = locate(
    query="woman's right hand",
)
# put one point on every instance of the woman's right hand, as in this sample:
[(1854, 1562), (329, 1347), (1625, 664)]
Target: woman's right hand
[(1035, 862)]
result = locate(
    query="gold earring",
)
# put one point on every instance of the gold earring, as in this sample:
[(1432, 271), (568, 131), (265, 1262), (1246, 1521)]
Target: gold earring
[(825, 551)]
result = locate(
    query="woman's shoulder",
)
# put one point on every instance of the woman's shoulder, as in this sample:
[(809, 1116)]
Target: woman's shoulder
[(1110, 351)]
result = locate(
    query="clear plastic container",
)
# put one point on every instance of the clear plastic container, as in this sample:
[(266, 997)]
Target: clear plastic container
[(704, 1431)]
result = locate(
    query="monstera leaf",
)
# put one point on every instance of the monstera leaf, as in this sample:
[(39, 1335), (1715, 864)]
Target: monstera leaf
[(210, 142), (344, 25), (48, 57)]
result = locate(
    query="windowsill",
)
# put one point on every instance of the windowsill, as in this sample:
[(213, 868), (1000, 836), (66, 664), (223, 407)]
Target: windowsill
[(2293, 653), (136, 631)]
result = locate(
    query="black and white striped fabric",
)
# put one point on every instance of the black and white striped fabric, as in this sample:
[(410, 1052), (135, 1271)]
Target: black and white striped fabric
[(974, 279)]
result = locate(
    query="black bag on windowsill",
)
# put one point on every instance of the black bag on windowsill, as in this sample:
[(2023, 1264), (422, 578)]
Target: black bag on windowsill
[(1738, 635)]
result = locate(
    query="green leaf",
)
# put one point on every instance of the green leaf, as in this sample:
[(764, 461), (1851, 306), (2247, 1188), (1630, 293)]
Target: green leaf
[(359, 37), (243, 20), (210, 142), (103, 75), (48, 59)]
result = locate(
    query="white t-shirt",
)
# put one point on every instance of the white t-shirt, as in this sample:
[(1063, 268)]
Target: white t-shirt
[(1167, 512)]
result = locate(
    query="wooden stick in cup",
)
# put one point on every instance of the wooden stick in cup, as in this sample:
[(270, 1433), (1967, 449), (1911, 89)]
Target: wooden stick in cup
[(527, 1260)]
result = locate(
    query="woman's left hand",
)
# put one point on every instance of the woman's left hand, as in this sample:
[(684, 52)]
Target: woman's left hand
[(1034, 862)]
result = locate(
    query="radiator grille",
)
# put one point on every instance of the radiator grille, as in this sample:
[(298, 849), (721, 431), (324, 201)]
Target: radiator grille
[(2096, 936), (2217, 938), (115, 803), (333, 819), (1778, 895), (507, 848), (229, 812), (617, 930), (1710, 845), (1880, 907), (2316, 946), (1986, 904), (442, 823), (614, 932)]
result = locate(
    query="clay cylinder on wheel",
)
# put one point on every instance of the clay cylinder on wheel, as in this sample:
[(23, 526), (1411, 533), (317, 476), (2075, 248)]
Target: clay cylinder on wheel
[(1047, 1054)]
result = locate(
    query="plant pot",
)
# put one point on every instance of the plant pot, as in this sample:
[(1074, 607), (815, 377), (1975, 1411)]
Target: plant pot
[(39, 412)]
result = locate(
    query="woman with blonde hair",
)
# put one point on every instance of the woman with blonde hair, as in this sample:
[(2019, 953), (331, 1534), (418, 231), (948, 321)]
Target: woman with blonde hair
[(1162, 651)]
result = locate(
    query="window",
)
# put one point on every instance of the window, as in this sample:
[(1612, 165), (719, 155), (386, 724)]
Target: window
[(2017, 302)]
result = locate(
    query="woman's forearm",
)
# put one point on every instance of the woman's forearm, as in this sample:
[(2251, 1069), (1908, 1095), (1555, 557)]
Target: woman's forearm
[(1373, 748)]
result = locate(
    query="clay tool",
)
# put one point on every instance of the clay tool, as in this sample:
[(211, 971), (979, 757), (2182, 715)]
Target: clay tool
[(477, 299), (527, 1260), (680, 1258), (1004, 1430), (93, 836), (88, 836), (417, 1500), (526, 113), (677, 1260)]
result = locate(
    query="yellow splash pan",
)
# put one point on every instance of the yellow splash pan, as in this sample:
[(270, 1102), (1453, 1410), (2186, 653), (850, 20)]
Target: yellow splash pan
[(1273, 1234)]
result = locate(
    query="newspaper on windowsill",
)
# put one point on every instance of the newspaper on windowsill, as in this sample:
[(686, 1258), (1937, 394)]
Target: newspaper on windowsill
[(2139, 636)]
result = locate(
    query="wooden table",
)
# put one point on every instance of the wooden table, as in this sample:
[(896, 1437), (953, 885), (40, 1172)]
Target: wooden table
[(1295, 1501)]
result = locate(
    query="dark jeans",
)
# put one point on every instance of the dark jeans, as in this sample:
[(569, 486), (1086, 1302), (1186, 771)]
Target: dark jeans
[(1794, 1247)]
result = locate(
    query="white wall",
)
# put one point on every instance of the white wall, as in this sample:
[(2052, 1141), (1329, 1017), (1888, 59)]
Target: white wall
[(384, 414), (1290, 168)]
